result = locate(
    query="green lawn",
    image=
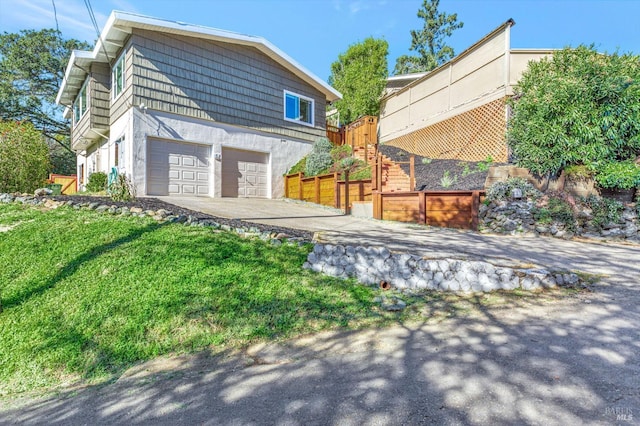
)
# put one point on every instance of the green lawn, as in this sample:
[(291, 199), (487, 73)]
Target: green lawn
[(86, 295)]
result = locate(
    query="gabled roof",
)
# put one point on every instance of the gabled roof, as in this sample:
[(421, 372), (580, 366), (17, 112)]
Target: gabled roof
[(121, 24)]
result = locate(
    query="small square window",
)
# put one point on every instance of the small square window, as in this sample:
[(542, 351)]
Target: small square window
[(298, 108)]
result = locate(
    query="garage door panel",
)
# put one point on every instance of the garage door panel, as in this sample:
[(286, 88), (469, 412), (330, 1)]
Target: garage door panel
[(244, 173), (177, 168)]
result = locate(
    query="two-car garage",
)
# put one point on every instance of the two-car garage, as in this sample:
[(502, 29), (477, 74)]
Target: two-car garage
[(180, 168)]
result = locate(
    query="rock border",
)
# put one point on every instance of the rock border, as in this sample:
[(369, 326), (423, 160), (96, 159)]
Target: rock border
[(514, 217), (276, 237), (377, 265)]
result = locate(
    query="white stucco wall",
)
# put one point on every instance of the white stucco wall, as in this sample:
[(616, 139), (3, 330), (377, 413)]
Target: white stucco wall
[(138, 127)]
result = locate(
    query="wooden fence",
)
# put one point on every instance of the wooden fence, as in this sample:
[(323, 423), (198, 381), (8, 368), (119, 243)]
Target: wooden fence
[(69, 183), (327, 190), (451, 209), (359, 133), (335, 135)]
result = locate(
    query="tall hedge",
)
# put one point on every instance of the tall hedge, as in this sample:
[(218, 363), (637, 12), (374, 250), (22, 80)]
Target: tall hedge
[(24, 157), (578, 106)]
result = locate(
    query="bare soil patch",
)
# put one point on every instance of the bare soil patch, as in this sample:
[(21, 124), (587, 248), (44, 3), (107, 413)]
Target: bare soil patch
[(465, 174)]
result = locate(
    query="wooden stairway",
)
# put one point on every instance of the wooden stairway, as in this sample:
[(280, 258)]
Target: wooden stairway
[(394, 179)]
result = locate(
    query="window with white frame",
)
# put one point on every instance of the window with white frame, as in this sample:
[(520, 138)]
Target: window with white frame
[(117, 77), (298, 108), (81, 102), (118, 157)]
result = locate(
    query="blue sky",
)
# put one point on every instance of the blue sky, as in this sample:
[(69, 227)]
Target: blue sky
[(315, 32)]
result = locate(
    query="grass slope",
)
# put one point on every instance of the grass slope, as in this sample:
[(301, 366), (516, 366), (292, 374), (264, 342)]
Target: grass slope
[(85, 295)]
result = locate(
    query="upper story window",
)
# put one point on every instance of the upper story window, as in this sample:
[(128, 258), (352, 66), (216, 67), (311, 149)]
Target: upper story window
[(81, 102), (298, 108), (117, 77)]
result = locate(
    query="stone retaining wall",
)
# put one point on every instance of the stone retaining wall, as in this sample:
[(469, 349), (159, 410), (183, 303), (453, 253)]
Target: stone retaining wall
[(372, 265), (517, 217)]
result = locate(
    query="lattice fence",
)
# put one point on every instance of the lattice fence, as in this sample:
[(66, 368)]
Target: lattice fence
[(471, 136)]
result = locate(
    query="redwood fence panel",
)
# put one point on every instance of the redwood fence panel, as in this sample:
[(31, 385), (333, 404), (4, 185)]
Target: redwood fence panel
[(359, 190), (327, 190), (451, 209), (361, 132), (335, 135)]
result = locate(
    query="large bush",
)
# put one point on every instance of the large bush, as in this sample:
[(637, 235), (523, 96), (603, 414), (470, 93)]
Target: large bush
[(320, 157), (97, 182), (576, 107), (24, 157), (360, 74)]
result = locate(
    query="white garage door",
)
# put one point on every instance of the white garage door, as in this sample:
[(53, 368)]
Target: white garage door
[(176, 168), (245, 174)]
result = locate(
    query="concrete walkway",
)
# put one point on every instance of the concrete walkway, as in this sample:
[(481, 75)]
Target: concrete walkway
[(533, 361)]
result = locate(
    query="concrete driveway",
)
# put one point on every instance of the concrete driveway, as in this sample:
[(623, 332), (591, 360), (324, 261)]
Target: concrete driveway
[(331, 225), (572, 361)]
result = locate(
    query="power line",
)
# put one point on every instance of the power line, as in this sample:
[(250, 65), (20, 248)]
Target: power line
[(92, 16), (55, 15)]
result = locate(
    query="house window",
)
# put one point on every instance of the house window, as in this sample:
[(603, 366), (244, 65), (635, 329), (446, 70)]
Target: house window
[(117, 77), (80, 104), (118, 152), (298, 108)]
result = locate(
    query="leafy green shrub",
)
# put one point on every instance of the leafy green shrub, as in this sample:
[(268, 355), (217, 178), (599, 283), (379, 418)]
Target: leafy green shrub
[(97, 182), (555, 210), (347, 163), (319, 159), (340, 152), (24, 157), (122, 189), (577, 107), (360, 171), (620, 175), (426, 161), (578, 172), (604, 210), (298, 167), (483, 166), (503, 190), (466, 170)]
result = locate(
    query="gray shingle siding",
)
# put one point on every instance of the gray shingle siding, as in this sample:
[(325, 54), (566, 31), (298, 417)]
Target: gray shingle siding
[(99, 95), (97, 115), (80, 129), (223, 82), (123, 102)]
